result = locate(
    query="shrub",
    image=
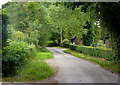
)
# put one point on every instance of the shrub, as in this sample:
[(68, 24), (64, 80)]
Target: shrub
[(43, 49), (93, 51), (53, 44), (18, 36), (73, 47), (66, 41), (33, 50), (14, 56), (66, 45)]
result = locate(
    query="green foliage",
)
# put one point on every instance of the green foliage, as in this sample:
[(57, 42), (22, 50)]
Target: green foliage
[(97, 12), (35, 69), (66, 45), (89, 37), (111, 22), (4, 29), (92, 51), (55, 38), (33, 50), (53, 44), (18, 36), (14, 56), (37, 23), (28, 20), (66, 41), (43, 49), (43, 40), (28, 28), (100, 43), (71, 22)]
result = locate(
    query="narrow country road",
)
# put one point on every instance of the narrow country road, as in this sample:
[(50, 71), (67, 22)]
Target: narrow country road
[(76, 70), (70, 69)]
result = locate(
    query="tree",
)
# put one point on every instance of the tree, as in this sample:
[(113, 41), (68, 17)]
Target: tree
[(89, 37), (4, 29), (70, 21), (112, 24), (29, 19), (109, 15)]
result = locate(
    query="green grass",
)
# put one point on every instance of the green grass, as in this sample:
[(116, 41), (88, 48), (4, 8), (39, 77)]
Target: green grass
[(61, 47), (36, 69), (44, 55), (42, 49), (57, 47), (102, 62)]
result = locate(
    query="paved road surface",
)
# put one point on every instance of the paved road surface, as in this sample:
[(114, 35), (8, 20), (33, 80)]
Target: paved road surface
[(76, 70)]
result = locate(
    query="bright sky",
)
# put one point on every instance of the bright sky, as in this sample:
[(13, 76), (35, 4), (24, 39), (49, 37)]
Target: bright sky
[(2, 2)]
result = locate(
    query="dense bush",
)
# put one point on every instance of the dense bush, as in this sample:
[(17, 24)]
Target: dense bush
[(18, 36), (92, 51), (43, 49), (14, 56), (53, 44), (66, 41), (33, 50), (65, 45)]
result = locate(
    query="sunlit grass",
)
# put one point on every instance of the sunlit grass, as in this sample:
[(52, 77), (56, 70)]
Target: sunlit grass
[(57, 47), (44, 55), (36, 69), (61, 47), (102, 62)]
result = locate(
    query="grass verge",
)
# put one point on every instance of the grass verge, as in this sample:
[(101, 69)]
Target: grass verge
[(61, 47), (58, 47), (40, 49), (35, 69), (102, 62)]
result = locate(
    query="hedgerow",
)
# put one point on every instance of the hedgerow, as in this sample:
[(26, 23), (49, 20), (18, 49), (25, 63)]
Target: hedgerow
[(92, 51)]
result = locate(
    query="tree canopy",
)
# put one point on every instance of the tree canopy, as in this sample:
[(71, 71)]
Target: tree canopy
[(40, 23)]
